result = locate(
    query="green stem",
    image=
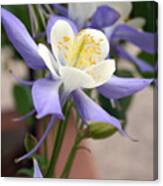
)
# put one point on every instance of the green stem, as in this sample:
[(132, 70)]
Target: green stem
[(33, 20), (49, 9), (71, 157), (58, 142), (42, 18)]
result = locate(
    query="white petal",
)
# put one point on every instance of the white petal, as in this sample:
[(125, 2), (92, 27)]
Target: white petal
[(49, 60), (102, 72), (81, 12), (138, 22), (124, 8), (74, 78), (61, 38)]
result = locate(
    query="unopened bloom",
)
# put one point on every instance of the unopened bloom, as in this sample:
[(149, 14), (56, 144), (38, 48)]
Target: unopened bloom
[(77, 61)]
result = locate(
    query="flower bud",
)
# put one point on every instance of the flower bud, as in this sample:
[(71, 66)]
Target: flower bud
[(99, 130)]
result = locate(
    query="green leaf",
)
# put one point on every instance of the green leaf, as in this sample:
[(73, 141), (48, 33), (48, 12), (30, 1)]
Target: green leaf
[(125, 103), (119, 110), (149, 59), (124, 73), (43, 163), (107, 106), (23, 100), (98, 130), (26, 172), (29, 142), (122, 104), (148, 10)]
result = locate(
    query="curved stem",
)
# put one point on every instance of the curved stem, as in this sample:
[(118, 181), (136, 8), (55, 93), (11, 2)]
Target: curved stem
[(58, 142), (42, 18), (71, 157), (33, 20), (49, 9)]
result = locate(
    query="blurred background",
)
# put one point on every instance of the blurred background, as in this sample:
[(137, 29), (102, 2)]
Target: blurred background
[(112, 158)]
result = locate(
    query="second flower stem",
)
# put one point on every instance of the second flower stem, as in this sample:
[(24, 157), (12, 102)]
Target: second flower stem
[(71, 157), (58, 142)]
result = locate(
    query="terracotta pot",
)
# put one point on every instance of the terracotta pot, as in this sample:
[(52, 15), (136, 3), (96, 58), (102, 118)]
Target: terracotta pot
[(12, 143)]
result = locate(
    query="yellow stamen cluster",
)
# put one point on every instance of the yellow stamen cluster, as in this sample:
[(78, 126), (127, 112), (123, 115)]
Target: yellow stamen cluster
[(66, 38), (82, 52), (86, 51)]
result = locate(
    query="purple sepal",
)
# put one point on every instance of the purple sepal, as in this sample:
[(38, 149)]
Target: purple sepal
[(61, 9), (21, 40), (104, 17), (118, 87), (142, 65), (144, 40), (92, 112), (46, 98)]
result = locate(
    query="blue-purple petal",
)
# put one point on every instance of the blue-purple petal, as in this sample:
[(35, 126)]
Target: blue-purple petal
[(142, 65), (61, 9), (104, 17), (52, 20), (21, 40), (118, 87), (92, 112), (46, 98), (144, 40), (37, 171)]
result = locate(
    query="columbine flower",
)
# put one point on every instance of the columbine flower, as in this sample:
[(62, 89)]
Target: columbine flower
[(77, 61), (113, 19)]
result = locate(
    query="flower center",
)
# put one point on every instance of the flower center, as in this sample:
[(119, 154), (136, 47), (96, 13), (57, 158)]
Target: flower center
[(82, 52)]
